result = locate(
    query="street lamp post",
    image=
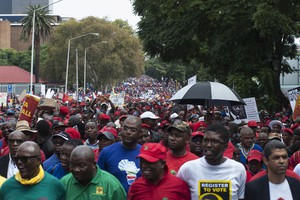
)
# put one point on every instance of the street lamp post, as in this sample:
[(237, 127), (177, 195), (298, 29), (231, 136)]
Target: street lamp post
[(77, 95), (32, 42), (68, 56)]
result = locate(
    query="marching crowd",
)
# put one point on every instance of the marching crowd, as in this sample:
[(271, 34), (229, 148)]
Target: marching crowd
[(148, 149)]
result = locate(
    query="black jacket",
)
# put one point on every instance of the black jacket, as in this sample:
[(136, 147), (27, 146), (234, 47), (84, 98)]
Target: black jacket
[(258, 189)]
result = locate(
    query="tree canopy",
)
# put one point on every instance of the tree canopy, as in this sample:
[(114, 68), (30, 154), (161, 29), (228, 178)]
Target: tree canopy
[(242, 43), (112, 56)]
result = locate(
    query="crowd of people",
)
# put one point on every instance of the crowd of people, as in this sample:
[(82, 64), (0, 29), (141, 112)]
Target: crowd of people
[(148, 149)]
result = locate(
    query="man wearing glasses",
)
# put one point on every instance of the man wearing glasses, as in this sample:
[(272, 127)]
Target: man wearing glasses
[(214, 174), (31, 182), (8, 166)]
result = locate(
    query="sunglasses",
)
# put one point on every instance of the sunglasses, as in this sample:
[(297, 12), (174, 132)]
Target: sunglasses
[(12, 141), (23, 159)]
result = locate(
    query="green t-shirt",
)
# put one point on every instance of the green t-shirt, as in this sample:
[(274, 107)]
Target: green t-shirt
[(48, 188), (102, 186)]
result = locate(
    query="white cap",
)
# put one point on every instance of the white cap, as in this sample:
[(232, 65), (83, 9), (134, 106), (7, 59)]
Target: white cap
[(174, 115), (148, 114)]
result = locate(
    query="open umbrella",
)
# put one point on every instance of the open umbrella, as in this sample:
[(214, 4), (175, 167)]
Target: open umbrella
[(208, 94)]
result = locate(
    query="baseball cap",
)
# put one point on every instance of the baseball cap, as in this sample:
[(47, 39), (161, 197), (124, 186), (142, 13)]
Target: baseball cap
[(254, 155), (108, 135), (58, 124), (181, 126), (275, 122), (288, 130), (252, 123), (153, 152), (108, 131), (148, 114), (274, 136), (197, 133), (10, 111), (63, 135)]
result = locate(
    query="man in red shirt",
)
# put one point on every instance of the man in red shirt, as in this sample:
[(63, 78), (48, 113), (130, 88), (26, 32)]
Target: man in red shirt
[(179, 137), (156, 182)]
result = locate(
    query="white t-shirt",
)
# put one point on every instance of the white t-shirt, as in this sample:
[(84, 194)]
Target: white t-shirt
[(204, 180), (297, 169), (280, 191)]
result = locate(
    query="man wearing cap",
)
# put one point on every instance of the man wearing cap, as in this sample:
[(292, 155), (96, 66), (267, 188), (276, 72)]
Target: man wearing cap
[(57, 141), (145, 134), (247, 143), (275, 184), (86, 181), (196, 143), (253, 125), (156, 182), (150, 118), (58, 127), (106, 137), (31, 182), (119, 159), (214, 173), (254, 162), (276, 126), (43, 138), (287, 135), (103, 119), (179, 138)]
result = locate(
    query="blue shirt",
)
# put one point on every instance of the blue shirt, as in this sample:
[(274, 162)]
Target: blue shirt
[(121, 162), (51, 162), (57, 171), (244, 154)]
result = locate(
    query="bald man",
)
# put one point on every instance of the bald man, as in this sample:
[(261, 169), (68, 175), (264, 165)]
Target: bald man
[(31, 182), (119, 159), (247, 143), (87, 181)]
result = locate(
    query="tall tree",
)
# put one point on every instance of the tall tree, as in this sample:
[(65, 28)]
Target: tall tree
[(231, 39), (42, 31), (112, 56)]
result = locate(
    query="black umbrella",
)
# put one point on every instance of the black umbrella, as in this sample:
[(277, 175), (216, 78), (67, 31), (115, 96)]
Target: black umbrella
[(208, 94)]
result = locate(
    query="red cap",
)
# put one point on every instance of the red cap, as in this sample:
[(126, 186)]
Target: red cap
[(197, 133), (284, 119), (153, 152), (110, 130), (288, 130), (254, 155), (122, 116), (104, 117), (198, 124), (252, 123), (63, 110), (73, 133), (145, 126), (295, 126)]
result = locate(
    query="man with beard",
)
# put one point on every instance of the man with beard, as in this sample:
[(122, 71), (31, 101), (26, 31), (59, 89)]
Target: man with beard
[(31, 182), (214, 173), (8, 166), (179, 138), (155, 175), (247, 143), (119, 159), (275, 184), (86, 181)]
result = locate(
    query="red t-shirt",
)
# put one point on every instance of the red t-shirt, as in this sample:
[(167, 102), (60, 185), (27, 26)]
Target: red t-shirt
[(288, 173), (174, 163), (170, 187)]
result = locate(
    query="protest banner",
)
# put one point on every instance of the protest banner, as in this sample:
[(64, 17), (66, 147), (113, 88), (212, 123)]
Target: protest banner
[(293, 95), (29, 106), (3, 98), (296, 112), (117, 99), (245, 112)]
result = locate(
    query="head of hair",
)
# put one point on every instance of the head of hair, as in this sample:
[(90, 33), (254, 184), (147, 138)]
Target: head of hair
[(297, 132), (220, 129), (272, 145)]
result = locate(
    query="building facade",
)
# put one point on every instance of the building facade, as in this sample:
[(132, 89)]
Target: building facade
[(19, 6)]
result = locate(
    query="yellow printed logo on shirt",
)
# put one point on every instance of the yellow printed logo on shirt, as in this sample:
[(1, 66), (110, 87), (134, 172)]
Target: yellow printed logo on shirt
[(99, 190)]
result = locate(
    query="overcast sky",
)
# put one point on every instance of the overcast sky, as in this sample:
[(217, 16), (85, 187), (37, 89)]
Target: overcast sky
[(112, 9)]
